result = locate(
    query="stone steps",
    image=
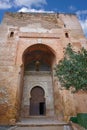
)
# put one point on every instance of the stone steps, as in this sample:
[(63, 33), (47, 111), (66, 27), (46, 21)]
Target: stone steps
[(41, 124)]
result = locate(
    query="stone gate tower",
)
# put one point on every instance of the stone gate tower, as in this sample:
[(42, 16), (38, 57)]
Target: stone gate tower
[(31, 44)]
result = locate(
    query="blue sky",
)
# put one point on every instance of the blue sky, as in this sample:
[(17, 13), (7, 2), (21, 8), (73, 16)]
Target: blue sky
[(78, 7)]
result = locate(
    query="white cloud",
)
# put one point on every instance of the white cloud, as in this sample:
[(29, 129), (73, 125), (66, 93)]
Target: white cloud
[(24, 9), (82, 15), (5, 4), (30, 3), (84, 26), (81, 12)]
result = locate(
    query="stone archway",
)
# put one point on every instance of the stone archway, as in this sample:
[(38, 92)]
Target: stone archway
[(37, 101), (38, 62), (38, 57)]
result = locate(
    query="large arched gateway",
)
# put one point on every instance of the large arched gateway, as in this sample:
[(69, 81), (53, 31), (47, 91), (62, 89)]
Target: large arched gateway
[(38, 62)]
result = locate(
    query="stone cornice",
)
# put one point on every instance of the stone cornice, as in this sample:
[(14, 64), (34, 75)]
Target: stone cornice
[(39, 35)]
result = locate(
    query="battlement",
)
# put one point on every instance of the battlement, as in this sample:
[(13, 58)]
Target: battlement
[(27, 15), (21, 19), (47, 20)]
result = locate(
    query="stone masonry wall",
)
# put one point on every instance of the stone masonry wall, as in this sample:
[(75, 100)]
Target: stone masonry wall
[(29, 29), (9, 76)]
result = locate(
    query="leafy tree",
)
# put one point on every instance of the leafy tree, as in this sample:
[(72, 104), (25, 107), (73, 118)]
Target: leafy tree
[(72, 69)]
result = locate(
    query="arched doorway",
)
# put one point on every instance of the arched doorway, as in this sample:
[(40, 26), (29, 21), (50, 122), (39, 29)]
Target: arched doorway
[(38, 62), (37, 101)]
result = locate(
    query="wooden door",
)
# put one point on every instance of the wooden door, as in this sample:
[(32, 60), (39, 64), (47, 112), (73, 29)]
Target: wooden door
[(37, 102)]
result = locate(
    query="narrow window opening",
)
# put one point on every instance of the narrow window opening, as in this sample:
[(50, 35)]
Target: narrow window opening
[(66, 35), (11, 34), (65, 25)]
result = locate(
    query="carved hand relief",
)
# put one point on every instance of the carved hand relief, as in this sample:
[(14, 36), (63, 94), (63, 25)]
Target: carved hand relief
[(39, 40)]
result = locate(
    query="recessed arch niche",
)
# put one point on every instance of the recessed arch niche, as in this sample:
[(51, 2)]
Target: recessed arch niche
[(38, 62), (38, 57)]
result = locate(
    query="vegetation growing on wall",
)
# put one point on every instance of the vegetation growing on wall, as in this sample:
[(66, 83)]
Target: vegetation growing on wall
[(72, 69)]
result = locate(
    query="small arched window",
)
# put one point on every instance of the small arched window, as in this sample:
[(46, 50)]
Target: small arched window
[(11, 34), (65, 25), (66, 35)]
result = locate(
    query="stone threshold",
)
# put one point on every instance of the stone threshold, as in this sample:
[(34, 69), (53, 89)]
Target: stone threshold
[(41, 121)]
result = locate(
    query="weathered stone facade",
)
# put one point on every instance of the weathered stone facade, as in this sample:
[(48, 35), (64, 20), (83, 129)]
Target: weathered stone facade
[(22, 36)]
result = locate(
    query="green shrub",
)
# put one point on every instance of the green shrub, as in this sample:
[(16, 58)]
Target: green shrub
[(82, 119), (74, 119), (72, 69)]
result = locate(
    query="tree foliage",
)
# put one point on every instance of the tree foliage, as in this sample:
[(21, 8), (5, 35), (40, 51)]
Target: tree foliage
[(72, 69)]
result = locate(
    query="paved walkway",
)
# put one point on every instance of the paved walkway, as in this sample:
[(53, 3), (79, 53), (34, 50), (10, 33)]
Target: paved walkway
[(42, 128)]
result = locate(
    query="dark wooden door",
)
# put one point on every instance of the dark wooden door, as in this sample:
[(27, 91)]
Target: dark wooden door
[(37, 102)]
